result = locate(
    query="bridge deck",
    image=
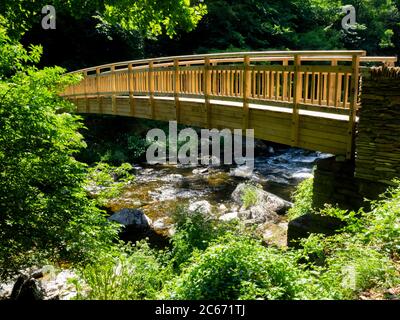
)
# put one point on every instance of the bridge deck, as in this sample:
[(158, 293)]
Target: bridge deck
[(307, 99), (320, 131)]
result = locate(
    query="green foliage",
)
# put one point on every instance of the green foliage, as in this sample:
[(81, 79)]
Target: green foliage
[(289, 24), (356, 269), (194, 231), (44, 208), (135, 273), (137, 146), (250, 196), (238, 268), (211, 261), (110, 181), (151, 18), (13, 56), (154, 16), (302, 197)]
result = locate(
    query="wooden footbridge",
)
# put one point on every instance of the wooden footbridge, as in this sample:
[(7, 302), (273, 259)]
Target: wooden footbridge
[(306, 99)]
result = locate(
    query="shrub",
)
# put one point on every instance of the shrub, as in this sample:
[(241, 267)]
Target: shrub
[(302, 197), (355, 269), (123, 274), (194, 231), (250, 196), (109, 180), (44, 207), (239, 268)]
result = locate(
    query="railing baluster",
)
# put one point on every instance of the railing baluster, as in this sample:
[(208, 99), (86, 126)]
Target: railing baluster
[(87, 107), (131, 90), (113, 90), (207, 90), (346, 91), (296, 100), (246, 92), (151, 88), (177, 89)]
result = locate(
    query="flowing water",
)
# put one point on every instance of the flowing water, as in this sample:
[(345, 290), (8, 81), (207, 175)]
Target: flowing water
[(157, 190)]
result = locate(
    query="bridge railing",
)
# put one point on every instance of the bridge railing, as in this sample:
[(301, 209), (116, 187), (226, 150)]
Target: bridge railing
[(312, 80)]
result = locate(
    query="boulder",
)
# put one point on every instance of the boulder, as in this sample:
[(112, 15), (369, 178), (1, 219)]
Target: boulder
[(257, 215), (265, 200), (162, 224), (275, 233), (131, 218), (307, 224), (200, 171), (27, 288), (229, 216), (40, 284), (202, 206), (222, 208), (241, 172)]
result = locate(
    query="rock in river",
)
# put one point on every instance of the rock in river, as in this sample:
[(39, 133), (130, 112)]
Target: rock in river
[(264, 199), (203, 207), (131, 218)]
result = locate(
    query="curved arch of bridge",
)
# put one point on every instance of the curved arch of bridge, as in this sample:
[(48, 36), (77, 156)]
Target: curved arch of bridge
[(306, 99)]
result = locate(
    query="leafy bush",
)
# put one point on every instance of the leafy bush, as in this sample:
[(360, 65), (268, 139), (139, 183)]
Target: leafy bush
[(355, 269), (302, 199), (123, 274), (44, 208), (109, 180), (194, 231), (249, 196), (235, 267)]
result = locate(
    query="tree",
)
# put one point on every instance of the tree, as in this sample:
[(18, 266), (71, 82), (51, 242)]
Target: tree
[(44, 209), (287, 24), (150, 17)]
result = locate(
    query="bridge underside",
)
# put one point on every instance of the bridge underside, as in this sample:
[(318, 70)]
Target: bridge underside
[(318, 131)]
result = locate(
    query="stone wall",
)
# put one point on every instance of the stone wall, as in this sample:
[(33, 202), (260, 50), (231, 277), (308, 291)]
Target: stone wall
[(348, 183), (335, 184), (377, 149), (378, 138)]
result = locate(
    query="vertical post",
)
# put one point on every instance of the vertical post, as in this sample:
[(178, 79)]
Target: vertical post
[(285, 74), (296, 100), (214, 88), (353, 104), (74, 95), (246, 92), (151, 88), (87, 106), (131, 90), (99, 99), (177, 90), (207, 90), (114, 91), (332, 88)]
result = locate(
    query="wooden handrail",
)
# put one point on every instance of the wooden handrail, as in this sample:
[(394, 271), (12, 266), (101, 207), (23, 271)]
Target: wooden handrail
[(269, 83), (324, 81), (268, 54)]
